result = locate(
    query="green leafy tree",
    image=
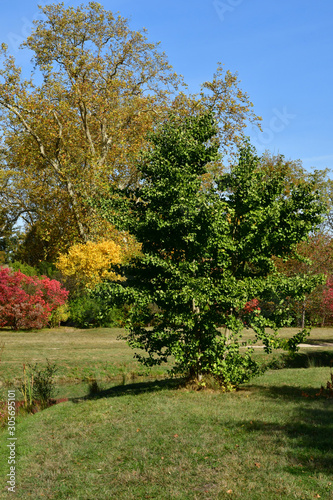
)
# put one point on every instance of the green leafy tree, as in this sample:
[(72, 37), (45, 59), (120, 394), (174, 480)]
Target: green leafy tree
[(207, 253)]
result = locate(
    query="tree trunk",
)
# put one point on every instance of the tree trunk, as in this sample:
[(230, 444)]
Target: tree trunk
[(198, 372), (303, 315), (73, 200)]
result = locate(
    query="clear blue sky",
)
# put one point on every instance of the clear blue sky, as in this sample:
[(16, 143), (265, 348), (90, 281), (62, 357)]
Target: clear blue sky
[(282, 51)]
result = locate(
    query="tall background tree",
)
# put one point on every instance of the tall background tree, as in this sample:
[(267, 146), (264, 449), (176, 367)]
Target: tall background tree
[(78, 123), (311, 257)]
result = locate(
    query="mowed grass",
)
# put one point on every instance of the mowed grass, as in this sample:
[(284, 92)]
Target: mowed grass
[(80, 355), (83, 355), (272, 439)]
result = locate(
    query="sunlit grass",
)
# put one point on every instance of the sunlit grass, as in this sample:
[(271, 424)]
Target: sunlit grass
[(156, 441), (138, 438), (81, 355)]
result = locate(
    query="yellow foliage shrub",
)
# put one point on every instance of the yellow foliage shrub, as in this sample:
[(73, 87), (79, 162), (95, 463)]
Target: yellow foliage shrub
[(91, 262)]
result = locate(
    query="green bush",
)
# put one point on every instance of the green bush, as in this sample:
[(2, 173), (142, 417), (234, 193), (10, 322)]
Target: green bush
[(24, 268), (86, 312), (48, 269), (42, 269), (59, 315)]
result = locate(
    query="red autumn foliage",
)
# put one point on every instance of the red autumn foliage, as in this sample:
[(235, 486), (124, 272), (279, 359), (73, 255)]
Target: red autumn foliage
[(250, 306), (328, 294), (27, 301), (318, 306)]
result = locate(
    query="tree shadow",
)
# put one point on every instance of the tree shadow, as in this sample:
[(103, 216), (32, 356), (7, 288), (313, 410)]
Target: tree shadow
[(291, 392), (303, 360), (317, 342), (310, 430), (286, 392), (134, 389), (311, 435)]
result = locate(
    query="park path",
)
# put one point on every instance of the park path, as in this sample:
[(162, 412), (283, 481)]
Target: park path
[(321, 344)]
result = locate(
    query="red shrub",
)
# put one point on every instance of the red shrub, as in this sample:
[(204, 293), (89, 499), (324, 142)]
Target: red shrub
[(250, 306), (27, 302)]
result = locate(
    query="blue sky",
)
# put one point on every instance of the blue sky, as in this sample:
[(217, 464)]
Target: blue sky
[(282, 51)]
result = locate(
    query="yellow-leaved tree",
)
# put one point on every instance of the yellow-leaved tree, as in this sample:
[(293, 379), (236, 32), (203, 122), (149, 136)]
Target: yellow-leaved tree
[(79, 123), (87, 264)]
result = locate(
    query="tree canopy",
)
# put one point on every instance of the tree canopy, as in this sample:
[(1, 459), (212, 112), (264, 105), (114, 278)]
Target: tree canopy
[(311, 257), (78, 123), (207, 252)]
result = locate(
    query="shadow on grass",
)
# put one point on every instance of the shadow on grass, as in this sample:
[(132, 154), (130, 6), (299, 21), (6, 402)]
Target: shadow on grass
[(311, 437), (317, 341), (291, 393), (134, 389), (309, 431), (286, 392), (303, 360)]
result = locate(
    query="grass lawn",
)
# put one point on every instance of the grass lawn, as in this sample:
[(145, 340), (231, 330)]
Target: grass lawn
[(141, 438), (80, 355)]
